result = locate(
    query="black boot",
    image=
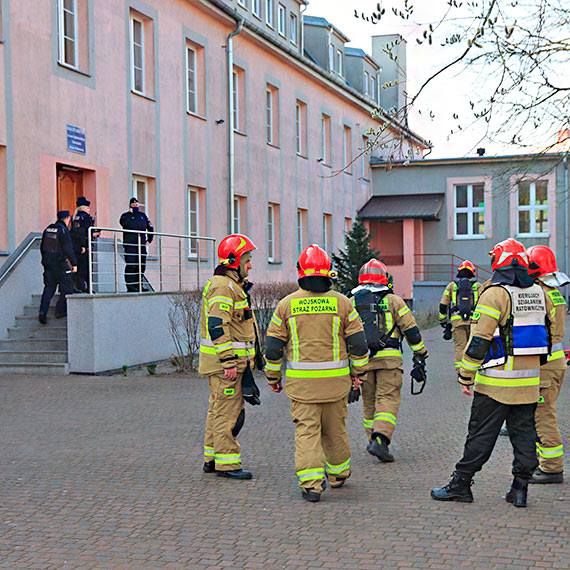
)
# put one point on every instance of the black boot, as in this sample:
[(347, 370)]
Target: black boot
[(458, 489), (235, 474), (310, 495), (379, 447), (517, 493), (540, 476), (209, 466)]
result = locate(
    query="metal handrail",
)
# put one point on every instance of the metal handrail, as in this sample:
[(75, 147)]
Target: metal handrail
[(16, 261)]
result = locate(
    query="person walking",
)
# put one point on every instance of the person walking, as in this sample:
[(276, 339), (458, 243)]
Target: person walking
[(227, 354), (80, 224), (134, 245), (324, 342), (56, 250), (549, 447), (509, 340), (387, 320)]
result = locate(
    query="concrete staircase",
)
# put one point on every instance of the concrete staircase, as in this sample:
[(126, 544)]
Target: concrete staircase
[(32, 348)]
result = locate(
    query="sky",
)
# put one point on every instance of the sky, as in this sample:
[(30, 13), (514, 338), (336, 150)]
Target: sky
[(448, 95)]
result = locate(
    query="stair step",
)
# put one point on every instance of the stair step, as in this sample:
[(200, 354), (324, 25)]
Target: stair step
[(34, 310), (33, 356), (39, 332), (32, 321), (34, 369), (34, 344)]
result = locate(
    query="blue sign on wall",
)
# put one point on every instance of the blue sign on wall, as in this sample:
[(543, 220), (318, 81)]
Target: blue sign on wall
[(75, 139)]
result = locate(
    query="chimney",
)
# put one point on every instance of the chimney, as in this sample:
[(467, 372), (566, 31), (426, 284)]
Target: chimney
[(480, 151), (393, 70)]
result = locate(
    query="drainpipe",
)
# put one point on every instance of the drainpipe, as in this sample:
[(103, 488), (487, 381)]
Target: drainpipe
[(231, 144), (302, 28), (565, 162)]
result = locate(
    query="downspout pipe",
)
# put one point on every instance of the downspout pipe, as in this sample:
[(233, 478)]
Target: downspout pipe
[(231, 126)]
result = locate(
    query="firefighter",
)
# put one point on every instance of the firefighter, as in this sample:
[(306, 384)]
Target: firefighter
[(325, 345), (227, 352), (387, 319), (456, 307), (509, 339), (549, 447)]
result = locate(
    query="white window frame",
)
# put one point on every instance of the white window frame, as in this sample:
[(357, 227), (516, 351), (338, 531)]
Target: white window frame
[(282, 20), (243, 3), (269, 14), (235, 95), (365, 162), (293, 28), (269, 115), (470, 209), (373, 87), (191, 96), (331, 58), (345, 147), (133, 69), (339, 63), (325, 232), (366, 81), (299, 128), (193, 245), (270, 232), (533, 209), (256, 8), (62, 34), (136, 193), (299, 231), (237, 215)]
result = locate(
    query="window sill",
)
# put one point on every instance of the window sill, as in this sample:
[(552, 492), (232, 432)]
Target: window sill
[(143, 95), (242, 6), (294, 43), (301, 155), (193, 258), (273, 146), (272, 262), (240, 133), (196, 116), (477, 236), (71, 68), (349, 173), (258, 16), (283, 35), (270, 26), (544, 236), (327, 165)]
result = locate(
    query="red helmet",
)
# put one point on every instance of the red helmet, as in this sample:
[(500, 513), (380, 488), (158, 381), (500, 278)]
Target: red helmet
[(507, 253), (373, 271), (544, 257), (466, 265), (314, 262), (231, 249)]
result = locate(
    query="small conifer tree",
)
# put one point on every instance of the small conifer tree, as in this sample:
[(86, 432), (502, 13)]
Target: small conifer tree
[(357, 252)]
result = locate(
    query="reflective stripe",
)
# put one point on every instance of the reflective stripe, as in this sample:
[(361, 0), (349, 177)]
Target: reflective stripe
[(469, 365), (269, 366), (368, 424), (403, 311), (338, 468), (275, 319), (240, 348), (488, 311), (309, 474), (442, 317), (294, 338), (228, 458), (457, 364), (387, 352), (206, 288), (385, 417), (223, 347), (353, 315), (241, 305), (446, 292), (419, 346), (328, 365), (553, 312), (508, 378), (549, 452), (359, 361), (389, 321), (455, 317), (494, 373), (317, 373), (208, 451), (557, 352), (220, 300), (510, 363), (336, 340)]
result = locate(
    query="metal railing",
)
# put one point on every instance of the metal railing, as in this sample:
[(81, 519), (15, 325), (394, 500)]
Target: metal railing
[(122, 260), (442, 267), (6, 270)]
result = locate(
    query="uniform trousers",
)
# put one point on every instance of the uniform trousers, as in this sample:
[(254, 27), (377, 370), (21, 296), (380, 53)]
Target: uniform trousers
[(81, 277), (135, 267), (549, 447), (381, 396), (321, 443), (223, 422), (487, 417), (460, 338), (55, 275)]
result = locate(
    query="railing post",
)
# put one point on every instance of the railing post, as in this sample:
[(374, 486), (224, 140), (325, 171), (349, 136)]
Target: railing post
[(116, 261), (179, 264), (140, 262), (198, 267), (160, 260), (90, 259)]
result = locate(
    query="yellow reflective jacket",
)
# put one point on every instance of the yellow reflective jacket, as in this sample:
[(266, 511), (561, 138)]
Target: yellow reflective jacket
[(449, 298), (556, 360)]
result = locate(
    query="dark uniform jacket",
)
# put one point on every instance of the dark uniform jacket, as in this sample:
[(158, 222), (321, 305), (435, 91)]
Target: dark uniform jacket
[(80, 224), (56, 245), (136, 221)]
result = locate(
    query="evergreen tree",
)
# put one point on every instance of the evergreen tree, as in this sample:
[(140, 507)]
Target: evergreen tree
[(357, 252)]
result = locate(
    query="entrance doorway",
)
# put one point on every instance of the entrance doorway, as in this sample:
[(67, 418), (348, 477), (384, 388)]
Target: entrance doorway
[(69, 187)]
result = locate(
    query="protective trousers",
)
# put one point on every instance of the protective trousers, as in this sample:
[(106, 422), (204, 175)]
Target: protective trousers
[(487, 417), (549, 447), (321, 442), (460, 338), (223, 422), (381, 396)]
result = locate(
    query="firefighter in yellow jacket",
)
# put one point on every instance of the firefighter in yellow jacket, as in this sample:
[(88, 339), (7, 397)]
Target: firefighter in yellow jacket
[(509, 339), (387, 319), (456, 307), (549, 448), (325, 345), (227, 352)]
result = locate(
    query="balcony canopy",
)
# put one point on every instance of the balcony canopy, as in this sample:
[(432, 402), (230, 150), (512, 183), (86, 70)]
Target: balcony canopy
[(403, 206)]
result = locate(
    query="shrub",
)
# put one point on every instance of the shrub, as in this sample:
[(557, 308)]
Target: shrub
[(184, 326)]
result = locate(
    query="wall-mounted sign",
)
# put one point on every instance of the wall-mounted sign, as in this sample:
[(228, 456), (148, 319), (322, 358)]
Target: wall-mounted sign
[(75, 139)]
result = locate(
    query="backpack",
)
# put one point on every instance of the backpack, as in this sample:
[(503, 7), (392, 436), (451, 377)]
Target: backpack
[(463, 298), (372, 310)]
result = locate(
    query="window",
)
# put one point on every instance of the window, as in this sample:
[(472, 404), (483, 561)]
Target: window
[(272, 115), (469, 210), (238, 93), (339, 62), (347, 150), (373, 88), (67, 20), (331, 58), (301, 128), (269, 12), (270, 233), (347, 225), (193, 220), (301, 233), (366, 81), (237, 216), (327, 229), (293, 28), (191, 92), (243, 3), (532, 211), (326, 139), (365, 161), (256, 8), (140, 192), (235, 91), (137, 55), (281, 20)]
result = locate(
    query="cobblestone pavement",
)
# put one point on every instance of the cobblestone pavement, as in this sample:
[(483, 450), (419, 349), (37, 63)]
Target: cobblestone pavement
[(105, 473)]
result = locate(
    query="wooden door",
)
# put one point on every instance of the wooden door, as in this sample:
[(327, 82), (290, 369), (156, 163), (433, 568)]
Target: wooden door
[(69, 188)]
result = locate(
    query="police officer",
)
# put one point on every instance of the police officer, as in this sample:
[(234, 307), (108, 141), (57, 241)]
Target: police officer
[(315, 325), (549, 448), (456, 307), (80, 224), (134, 245), (57, 250), (509, 339), (387, 319), (227, 353)]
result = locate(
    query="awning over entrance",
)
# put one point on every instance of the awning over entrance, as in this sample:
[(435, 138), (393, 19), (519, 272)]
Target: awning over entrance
[(403, 206)]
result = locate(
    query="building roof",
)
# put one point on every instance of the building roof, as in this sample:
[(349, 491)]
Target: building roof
[(403, 206), (323, 23), (357, 52), (375, 161)]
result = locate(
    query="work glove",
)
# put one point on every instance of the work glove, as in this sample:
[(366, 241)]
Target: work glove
[(249, 388), (447, 335), (418, 372), (353, 395)]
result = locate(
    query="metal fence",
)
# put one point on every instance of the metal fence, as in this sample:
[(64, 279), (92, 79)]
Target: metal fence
[(120, 261), (442, 267)]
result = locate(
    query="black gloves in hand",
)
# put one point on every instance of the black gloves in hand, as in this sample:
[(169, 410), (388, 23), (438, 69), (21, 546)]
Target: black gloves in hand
[(249, 388), (447, 335), (353, 395)]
